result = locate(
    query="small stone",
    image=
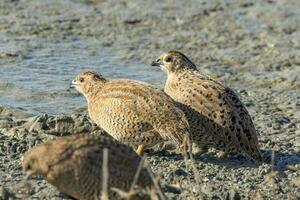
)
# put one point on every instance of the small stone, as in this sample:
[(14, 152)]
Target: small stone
[(180, 172), (234, 195), (173, 189)]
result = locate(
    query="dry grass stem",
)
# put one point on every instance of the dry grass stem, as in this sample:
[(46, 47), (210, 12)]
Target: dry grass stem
[(270, 180), (132, 191), (104, 193), (155, 183), (137, 174), (123, 194), (273, 161), (189, 154)]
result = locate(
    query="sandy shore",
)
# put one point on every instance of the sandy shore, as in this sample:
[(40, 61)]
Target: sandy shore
[(252, 47)]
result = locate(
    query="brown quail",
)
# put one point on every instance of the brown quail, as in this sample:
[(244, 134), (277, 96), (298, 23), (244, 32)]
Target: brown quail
[(73, 164), (133, 112), (215, 113)]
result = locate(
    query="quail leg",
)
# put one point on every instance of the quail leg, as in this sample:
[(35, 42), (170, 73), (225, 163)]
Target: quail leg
[(140, 149)]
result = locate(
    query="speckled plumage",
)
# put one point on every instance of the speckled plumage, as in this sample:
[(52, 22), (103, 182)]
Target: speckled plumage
[(216, 116), (73, 164), (132, 112)]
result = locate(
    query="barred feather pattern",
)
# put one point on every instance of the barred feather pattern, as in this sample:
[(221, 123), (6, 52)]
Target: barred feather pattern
[(134, 112)]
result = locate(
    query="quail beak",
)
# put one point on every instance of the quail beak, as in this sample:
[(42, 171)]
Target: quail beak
[(156, 63), (73, 84)]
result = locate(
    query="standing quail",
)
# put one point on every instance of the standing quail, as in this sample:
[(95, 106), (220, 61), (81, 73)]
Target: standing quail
[(216, 115), (132, 112)]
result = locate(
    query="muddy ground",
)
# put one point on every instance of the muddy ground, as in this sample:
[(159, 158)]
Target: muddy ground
[(253, 47)]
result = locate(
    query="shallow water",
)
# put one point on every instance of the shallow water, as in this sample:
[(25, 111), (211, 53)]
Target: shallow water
[(40, 81), (44, 44)]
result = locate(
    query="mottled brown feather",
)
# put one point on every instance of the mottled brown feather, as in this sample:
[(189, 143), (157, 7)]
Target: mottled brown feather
[(73, 164), (133, 112), (216, 115)]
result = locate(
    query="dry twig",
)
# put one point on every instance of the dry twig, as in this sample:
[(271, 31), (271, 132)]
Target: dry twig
[(104, 193), (155, 183)]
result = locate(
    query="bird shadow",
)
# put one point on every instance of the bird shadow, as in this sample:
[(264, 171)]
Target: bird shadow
[(232, 161), (282, 161)]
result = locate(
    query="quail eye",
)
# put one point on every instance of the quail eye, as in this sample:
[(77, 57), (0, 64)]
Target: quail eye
[(168, 59), (81, 80), (28, 167)]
